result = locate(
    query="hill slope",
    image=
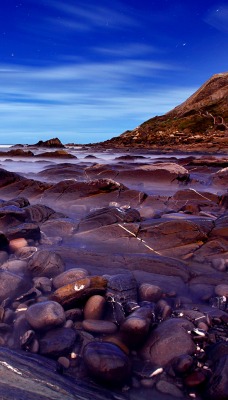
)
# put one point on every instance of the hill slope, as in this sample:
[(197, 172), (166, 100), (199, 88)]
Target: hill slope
[(200, 123)]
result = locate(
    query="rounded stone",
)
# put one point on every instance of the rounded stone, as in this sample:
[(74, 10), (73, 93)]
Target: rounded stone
[(106, 362), (148, 292), (195, 378), (94, 307), (45, 315), (57, 342), (16, 244), (11, 285), (182, 364), (135, 330), (18, 267), (46, 263), (221, 290), (99, 326), (69, 276)]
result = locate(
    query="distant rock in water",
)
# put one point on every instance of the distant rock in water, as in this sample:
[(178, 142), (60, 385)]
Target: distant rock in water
[(50, 143)]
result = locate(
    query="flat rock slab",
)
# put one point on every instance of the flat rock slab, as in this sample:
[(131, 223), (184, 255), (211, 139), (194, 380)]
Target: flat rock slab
[(24, 376)]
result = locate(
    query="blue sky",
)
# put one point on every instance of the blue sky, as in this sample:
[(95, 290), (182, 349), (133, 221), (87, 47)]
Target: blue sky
[(86, 71)]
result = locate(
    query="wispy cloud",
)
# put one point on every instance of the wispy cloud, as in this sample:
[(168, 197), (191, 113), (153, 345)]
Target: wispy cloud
[(218, 17), (73, 100), (114, 15)]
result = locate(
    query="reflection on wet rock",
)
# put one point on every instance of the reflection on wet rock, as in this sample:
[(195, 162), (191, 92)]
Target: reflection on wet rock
[(69, 276)]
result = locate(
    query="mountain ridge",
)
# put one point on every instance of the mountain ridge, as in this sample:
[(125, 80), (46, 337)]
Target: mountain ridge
[(200, 123)]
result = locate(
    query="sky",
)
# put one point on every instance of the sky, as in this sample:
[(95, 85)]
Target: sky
[(86, 71)]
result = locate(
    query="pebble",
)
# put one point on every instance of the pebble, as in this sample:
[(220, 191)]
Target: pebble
[(94, 307), (57, 342), (106, 362), (99, 326), (195, 378), (221, 290), (45, 315), (168, 388), (148, 292), (135, 330)]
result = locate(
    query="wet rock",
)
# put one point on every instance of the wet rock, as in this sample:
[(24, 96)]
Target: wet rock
[(182, 364), (79, 291), (18, 267), (94, 307), (46, 263), (42, 283), (11, 285), (217, 387), (26, 231), (148, 292), (108, 216), (17, 244), (195, 378), (57, 342), (106, 362), (221, 290), (45, 315), (168, 341), (99, 326), (69, 276), (168, 388), (26, 252), (38, 213), (135, 330), (221, 177)]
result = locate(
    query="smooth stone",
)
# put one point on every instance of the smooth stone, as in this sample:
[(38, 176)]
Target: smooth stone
[(26, 252), (27, 231), (16, 244), (182, 364), (64, 362), (99, 326), (45, 315), (168, 388), (135, 330), (118, 340), (221, 290), (170, 339), (57, 342), (196, 378), (11, 285), (217, 387), (46, 263), (94, 307), (148, 292), (74, 314), (106, 362), (15, 266), (69, 276), (42, 283)]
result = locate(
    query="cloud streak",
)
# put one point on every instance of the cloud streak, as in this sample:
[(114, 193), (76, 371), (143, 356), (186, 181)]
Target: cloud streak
[(77, 99)]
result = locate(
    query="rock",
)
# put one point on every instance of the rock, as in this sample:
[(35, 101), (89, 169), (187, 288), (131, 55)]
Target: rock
[(221, 177), (45, 315), (221, 290), (94, 307), (99, 326), (38, 213), (69, 276), (106, 363), (169, 340), (108, 216), (168, 388), (195, 378), (57, 342), (11, 285), (182, 364), (79, 291), (43, 283), (18, 267), (34, 376), (55, 142), (46, 263), (148, 292), (217, 387), (135, 330), (26, 231), (56, 153)]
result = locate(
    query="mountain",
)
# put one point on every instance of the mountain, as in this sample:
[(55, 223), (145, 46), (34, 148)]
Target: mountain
[(200, 123)]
